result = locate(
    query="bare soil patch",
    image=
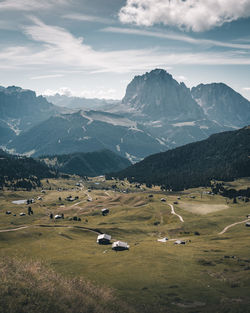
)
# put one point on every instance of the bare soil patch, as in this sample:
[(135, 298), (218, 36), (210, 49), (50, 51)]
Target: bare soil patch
[(202, 208)]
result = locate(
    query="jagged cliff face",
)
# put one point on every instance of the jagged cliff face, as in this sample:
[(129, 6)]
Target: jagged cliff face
[(222, 104), (16, 102), (158, 95), (20, 109)]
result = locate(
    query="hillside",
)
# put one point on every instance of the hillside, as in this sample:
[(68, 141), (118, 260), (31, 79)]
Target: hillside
[(22, 172), (223, 156), (43, 260), (87, 131), (39, 289), (88, 164)]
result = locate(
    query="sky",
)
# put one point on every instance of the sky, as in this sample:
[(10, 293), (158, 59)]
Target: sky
[(94, 48)]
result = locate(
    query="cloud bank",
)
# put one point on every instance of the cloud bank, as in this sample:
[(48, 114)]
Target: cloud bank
[(194, 15), (30, 5), (54, 49)]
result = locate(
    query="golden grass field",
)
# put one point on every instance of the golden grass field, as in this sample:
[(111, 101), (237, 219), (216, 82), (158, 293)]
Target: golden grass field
[(211, 273)]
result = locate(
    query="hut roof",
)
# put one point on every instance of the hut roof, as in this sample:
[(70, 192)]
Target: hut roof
[(120, 244), (104, 236)]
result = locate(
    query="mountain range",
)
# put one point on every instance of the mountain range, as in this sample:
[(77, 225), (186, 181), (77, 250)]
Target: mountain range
[(156, 114), (223, 156), (79, 103), (20, 110)]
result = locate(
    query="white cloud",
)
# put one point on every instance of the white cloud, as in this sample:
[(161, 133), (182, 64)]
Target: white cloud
[(246, 88), (100, 93), (30, 5), (177, 37), (195, 15), (54, 49), (46, 76), (88, 18), (181, 78), (63, 91)]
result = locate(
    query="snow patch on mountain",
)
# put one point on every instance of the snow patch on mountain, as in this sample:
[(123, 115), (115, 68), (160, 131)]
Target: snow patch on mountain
[(136, 129), (29, 153), (13, 125), (133, 159), (160, 141), (184, 124), (118, 148), (111, 119)]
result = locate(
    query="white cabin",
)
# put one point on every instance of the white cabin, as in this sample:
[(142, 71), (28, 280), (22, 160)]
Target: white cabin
[(103, 239), (180, 242), (105, 211), (120, 245)]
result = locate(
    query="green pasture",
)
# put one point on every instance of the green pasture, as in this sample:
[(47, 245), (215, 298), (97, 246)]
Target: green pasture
[(211, 273)]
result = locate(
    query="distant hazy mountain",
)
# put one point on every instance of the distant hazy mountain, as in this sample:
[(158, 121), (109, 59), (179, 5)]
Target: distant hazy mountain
[(156, 114), (223, 156), (222, 104), (87, 132), (22, 172), (87, 164), (80, 103), (20, 110)]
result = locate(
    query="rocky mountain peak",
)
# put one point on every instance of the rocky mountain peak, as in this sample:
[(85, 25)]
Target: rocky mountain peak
[(158, 95), (221, 103)]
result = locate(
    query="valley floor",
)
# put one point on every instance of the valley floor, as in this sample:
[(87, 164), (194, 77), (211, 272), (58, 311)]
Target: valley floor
[(210, 273)]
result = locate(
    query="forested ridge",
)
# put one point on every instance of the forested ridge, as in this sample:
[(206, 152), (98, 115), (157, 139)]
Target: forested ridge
[(22, 172), (223, 156), (87, 164)]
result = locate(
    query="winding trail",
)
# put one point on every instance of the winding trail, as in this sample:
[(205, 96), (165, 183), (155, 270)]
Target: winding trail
[(96, 231), (13, 229), (173, 212), (229, 226), (76, 204), (89, 196)]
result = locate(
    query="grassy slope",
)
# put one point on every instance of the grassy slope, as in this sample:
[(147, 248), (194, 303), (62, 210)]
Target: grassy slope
[(151, 276), (36, 288)]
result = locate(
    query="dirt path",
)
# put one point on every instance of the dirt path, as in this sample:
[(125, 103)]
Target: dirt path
[(229, 226), (96, 231), (13, 229), (76, 204), (173, 212), (89, 196)]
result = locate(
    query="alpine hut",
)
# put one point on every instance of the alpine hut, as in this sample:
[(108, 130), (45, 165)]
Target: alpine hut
[(120, 245), (105, 211), (103, 239)]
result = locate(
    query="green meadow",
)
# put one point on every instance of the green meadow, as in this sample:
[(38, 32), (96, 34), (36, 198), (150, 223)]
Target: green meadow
[(210, 273)]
